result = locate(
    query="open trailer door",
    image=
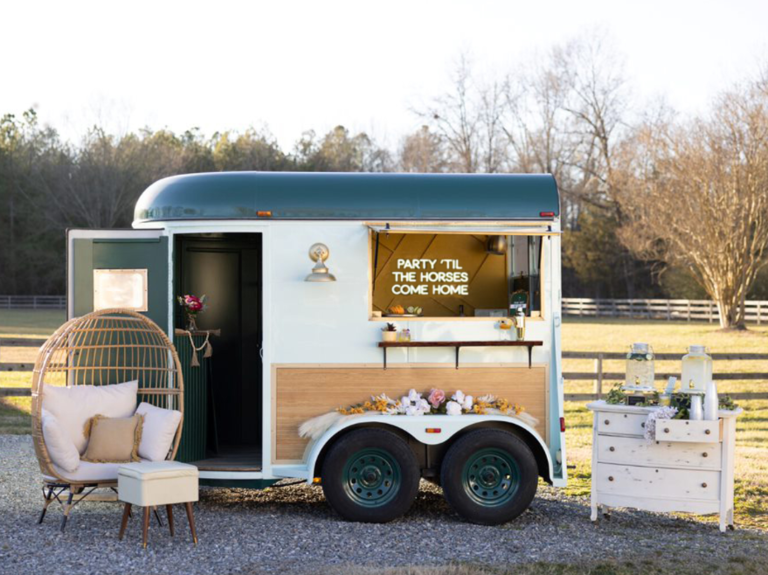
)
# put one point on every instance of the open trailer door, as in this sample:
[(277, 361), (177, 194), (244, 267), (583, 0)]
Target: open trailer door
[(118, 268)]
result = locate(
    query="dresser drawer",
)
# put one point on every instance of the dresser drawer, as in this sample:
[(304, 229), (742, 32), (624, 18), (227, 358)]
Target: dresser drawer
[(620, 423), (687, 431), (637, 451), (657, 482)]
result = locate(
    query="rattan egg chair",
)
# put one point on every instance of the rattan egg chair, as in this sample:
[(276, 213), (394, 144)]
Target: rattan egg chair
[(102, 348)]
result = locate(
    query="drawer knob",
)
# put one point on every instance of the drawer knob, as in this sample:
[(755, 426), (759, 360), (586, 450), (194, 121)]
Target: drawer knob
[(707, 431), (666, 430), (607, 422), (705, 454), (610, 478), (704, 485), (611, 448)]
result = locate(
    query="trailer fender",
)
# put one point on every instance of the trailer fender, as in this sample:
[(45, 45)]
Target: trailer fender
[(428, 429)]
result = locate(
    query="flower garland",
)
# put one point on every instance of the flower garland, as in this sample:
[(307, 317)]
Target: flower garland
[(415, 404)]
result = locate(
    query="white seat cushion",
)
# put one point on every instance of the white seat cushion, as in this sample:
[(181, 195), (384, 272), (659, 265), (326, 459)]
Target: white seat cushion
[(74, 406), (158, 432), (148, 471), (61, 449), (89, 472)]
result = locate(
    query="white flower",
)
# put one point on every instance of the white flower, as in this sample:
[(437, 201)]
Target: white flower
[(458, 397), (467, 403), (424, 406), (453, 408), (414, 396), (413, 410), (487, 398), (398, 408)]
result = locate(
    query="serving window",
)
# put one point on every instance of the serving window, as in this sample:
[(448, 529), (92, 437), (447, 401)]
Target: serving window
[(442, 275)]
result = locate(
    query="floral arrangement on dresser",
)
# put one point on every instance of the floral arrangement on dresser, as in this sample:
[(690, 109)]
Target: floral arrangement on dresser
[(415, 404), (680, 401)]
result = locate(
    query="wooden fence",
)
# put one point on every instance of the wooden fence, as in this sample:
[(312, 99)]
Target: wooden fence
[(5, 366), (667, 309), (598, 375), (33, 302)]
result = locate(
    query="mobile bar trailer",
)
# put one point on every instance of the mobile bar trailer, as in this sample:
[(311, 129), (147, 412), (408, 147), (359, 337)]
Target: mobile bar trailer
[(461, 253)]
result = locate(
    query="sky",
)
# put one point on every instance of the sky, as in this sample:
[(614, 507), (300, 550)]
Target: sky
[(293, 66)]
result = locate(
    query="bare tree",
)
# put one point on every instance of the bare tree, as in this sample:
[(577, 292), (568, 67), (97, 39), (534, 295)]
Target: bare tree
[(455, 117), (697, 196), (423, 151)]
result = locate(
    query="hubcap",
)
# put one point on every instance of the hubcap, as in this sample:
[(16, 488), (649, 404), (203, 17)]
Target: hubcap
[(491, 477), (372, 477)]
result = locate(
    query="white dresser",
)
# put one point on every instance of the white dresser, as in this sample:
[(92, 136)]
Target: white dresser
[(688, 468)]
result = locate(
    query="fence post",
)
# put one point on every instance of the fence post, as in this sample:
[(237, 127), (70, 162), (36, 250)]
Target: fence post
[(711, 312), (669, 311), (689, 310), (758, 312), (598, 384)]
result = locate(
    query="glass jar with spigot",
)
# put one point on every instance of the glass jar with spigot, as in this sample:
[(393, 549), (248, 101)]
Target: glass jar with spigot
[(696, 374), (640, 369)]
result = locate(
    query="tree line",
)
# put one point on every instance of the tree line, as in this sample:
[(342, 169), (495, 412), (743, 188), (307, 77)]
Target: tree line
[(654, 204)]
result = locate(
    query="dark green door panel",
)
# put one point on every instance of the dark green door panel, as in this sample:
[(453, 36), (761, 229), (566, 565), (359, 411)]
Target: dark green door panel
[(122, 252), (194, 437)]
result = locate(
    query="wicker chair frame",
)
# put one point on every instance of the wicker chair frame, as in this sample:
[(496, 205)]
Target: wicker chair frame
[(101, 348)]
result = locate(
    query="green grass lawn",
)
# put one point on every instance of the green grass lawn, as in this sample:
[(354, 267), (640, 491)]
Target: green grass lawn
[(610, 335)]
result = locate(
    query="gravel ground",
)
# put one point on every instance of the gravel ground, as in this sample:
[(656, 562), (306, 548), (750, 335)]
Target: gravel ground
[(292, 530)]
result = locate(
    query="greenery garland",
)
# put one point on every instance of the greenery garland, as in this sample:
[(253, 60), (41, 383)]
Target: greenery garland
[(680, 401)]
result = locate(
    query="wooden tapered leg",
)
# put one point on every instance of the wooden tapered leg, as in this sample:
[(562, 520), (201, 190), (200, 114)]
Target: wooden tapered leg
[(145, 526), (169, 510), (124, 522), (191, 519)]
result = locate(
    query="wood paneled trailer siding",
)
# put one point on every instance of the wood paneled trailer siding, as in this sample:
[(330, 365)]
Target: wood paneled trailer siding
[(301, 392)]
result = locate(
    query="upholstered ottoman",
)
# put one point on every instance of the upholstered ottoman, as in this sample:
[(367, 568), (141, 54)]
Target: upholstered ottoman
[(151, 484)]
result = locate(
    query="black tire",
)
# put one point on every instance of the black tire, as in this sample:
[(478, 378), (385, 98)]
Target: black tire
[(371, 476), (490, 498)]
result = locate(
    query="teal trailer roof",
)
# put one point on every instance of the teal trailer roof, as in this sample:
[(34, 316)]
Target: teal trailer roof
[(349, 196)]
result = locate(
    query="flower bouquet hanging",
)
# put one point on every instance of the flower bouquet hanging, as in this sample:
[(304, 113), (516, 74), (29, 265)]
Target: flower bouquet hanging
[(192, 305)]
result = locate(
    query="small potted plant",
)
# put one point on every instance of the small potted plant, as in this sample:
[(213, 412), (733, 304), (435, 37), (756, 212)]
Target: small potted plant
[(389, 332)]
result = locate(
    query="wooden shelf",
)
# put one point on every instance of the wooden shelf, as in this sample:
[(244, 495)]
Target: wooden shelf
[(384, 345)]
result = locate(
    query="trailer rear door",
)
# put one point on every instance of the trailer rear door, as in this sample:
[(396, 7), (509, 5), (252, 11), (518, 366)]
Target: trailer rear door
[(119, 268)]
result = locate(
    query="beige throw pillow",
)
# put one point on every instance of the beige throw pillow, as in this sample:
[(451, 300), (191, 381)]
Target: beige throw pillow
[(114, 440)]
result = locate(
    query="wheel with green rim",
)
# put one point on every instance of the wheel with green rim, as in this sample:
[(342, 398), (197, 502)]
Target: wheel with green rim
[(489, 476), (370, 475)]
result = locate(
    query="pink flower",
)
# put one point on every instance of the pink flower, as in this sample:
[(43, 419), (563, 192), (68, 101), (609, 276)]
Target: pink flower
[(436, 397), (192, 303)]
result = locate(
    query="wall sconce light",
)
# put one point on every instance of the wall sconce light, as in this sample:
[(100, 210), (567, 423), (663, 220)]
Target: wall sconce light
[(319, 253)]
